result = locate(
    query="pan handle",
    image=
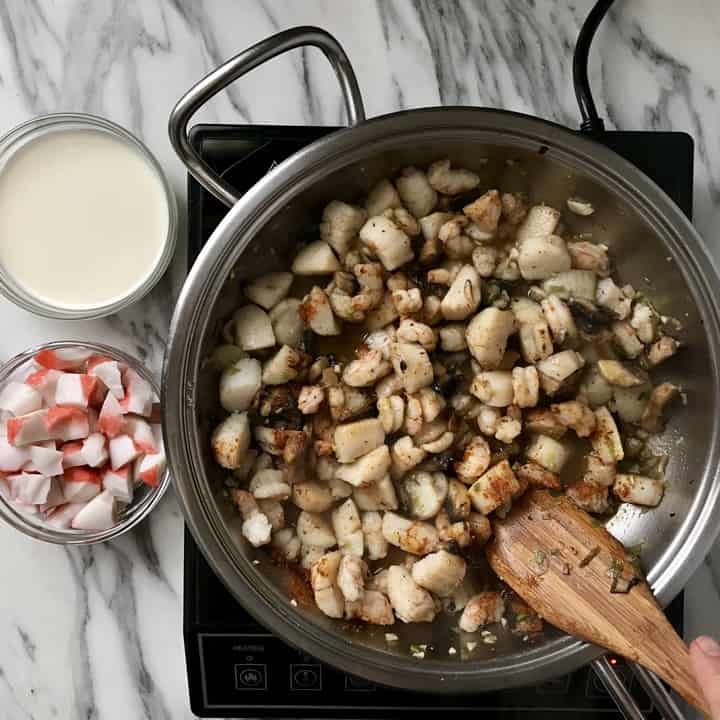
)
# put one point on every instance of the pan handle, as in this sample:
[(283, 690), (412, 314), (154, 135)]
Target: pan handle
[(238, 66), (615, 686)]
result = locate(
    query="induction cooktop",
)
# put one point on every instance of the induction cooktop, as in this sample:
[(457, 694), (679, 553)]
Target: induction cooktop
[(236, 668)]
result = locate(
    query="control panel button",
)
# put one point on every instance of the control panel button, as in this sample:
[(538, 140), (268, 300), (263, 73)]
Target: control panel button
[(357, 684), (251, 676), (306, 676)]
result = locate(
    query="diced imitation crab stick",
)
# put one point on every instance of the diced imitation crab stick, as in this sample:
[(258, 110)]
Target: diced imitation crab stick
[(62, 516), (76, 437), (95, 450), (92, 451), (81, 484), (27, 429), (141, 433), (20, 399), (76, 390), (63, 358), (55, 496), (99, 514), (55, 423), (108, 372), (150, 468), (120, 483), (67, 423), (138, 398), (122, 451), (44, 381), (46, 460), (73, 454), (12, 459), (29, 488), (111, 420), (93, 416)]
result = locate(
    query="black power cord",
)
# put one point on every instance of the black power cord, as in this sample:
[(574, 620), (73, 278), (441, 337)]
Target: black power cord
[(591, 121)]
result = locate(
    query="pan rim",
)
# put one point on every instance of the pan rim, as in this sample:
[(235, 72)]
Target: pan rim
[(289, 179)]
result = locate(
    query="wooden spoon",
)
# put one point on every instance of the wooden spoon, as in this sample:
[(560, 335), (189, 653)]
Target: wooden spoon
[(569, 570)]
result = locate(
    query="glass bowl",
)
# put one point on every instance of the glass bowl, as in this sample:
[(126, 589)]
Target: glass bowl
[(24, 134), (145, 497)]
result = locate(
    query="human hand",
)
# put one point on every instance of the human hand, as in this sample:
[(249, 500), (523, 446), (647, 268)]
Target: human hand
[(705, 661)]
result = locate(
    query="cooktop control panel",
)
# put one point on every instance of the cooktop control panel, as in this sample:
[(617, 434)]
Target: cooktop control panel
[(238, 669)]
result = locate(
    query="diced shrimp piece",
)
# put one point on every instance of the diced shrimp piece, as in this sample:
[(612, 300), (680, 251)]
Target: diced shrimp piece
[(589, 496), (44, 381), (111, 420), (27, 429), (482, 609), (139, 394), (20, 399), (81, 484), (119, 482), (410, 602), (494, 488), (122, 451), (63, 359), (75, 390), (99, 514)]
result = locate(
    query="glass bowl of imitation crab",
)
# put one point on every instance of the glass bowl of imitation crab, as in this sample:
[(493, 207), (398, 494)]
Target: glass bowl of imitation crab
[(81, 450)]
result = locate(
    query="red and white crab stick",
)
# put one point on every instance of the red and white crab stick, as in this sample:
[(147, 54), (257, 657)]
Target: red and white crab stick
[(81, 433)]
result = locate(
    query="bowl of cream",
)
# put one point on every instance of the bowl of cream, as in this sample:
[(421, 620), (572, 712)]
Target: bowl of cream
[(87, 218)]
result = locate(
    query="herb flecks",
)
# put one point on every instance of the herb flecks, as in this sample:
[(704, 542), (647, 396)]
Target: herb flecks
[(616, 568)]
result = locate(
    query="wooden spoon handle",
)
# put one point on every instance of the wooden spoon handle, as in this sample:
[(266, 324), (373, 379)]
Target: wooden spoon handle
[(677, 673), (567, 569)]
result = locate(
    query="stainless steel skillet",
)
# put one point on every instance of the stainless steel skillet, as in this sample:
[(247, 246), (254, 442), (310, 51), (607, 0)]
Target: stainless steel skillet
[(654, 246)]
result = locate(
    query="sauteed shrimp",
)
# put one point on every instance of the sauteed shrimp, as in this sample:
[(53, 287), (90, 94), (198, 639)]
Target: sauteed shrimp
[(440, 349)]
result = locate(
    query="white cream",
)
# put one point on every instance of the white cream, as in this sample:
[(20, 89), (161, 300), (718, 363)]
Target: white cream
[(83, 218)]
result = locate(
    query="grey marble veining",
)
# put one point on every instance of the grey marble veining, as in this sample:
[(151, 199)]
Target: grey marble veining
[(96, 633)]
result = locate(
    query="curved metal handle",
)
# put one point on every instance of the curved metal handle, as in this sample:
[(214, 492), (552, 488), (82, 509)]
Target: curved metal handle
[(238, 66), (624, 700), (656, 691), (616, 689)]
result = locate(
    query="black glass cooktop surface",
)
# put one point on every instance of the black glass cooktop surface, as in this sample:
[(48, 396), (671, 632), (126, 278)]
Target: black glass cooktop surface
[(236, 668)]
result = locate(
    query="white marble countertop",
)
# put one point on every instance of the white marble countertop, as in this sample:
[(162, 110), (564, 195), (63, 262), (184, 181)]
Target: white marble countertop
[(97, 633)]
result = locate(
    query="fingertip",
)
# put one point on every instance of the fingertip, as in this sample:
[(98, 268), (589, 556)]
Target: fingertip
[(705, 663), (707, 646)]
